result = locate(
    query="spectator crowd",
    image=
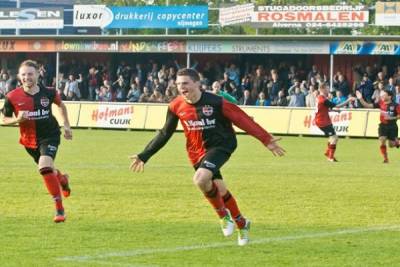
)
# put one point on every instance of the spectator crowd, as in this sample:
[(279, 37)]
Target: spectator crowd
[(281, 84)]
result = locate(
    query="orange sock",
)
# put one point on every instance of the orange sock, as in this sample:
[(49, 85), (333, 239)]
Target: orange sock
[(327, 150), (332, 149), (61, 178), (383, 149), (53, 186), (231, 205), (215, 199)]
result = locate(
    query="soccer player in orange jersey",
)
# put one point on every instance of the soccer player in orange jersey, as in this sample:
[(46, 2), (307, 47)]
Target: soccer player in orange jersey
[(40, 134), (207, 122), (323, 121), (390, 112)]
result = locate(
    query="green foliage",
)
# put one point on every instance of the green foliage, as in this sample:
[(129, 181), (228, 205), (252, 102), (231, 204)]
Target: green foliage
[(158, 218)]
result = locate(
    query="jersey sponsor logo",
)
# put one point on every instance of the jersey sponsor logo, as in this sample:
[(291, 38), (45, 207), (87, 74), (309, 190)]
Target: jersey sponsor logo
[(202, 124), (39, 114), (44, 101), (209, 164), (20, 104), (208, 110)]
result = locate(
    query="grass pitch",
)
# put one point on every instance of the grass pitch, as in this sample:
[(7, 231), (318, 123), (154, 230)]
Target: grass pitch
[(305, 211)]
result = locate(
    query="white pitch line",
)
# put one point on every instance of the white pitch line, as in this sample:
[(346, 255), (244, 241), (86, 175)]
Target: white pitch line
[(109, 263), (140, 252)]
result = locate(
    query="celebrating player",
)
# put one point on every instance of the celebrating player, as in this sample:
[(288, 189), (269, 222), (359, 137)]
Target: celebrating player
[(323, 121), (40, 133), (207, 121), (388, 129)]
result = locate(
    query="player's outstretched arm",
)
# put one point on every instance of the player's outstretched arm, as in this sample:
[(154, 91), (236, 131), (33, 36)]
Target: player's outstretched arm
[(137, 164), (275, 148), (64, 116), (362, 101), (161, 138), (348, 100)]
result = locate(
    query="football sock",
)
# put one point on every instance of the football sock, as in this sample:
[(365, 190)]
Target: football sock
[(332, 149), (231, 205), (384, 151), (53, 186), (61, 178), (215, 199), (327, 150)]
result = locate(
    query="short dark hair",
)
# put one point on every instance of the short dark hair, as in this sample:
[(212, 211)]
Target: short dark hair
[(30, 63), (192, 73)]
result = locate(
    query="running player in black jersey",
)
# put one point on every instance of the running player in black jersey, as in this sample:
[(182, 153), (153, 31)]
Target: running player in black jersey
[(39, 130), (210, 140), (390, 112)]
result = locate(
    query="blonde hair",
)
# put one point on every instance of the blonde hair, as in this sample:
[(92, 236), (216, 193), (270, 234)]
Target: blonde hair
[(30, 63)]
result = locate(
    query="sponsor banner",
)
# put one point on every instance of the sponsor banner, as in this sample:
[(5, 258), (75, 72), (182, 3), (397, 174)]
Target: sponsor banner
[(156, 115), (323, 16), (143, 17), (235, 14), (31, 18), (387, 13), (345, 122), (372, 123), (258, 47), (92, 16), (87, 46), (73, 113), (27, 45), (365, 48), (152, 46), (109, 115), (340, 16), (276, 120)]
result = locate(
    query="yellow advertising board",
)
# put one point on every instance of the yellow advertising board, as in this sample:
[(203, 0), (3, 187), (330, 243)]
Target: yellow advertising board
[(274, 120), (73, 113), (346, 122), (110, 115), (373, 123), (156, 114)]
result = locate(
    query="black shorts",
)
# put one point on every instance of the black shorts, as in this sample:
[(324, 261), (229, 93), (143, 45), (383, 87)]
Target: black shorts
[(46, 147), (328, 130), (213, 161), (389, 130)]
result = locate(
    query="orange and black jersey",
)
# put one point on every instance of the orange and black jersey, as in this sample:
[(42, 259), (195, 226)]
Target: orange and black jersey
[(41, 123), (207, 124), (388, 109), (323, 106)]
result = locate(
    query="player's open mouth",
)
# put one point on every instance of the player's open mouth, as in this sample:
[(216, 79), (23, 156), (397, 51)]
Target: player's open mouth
[(184, 92)]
